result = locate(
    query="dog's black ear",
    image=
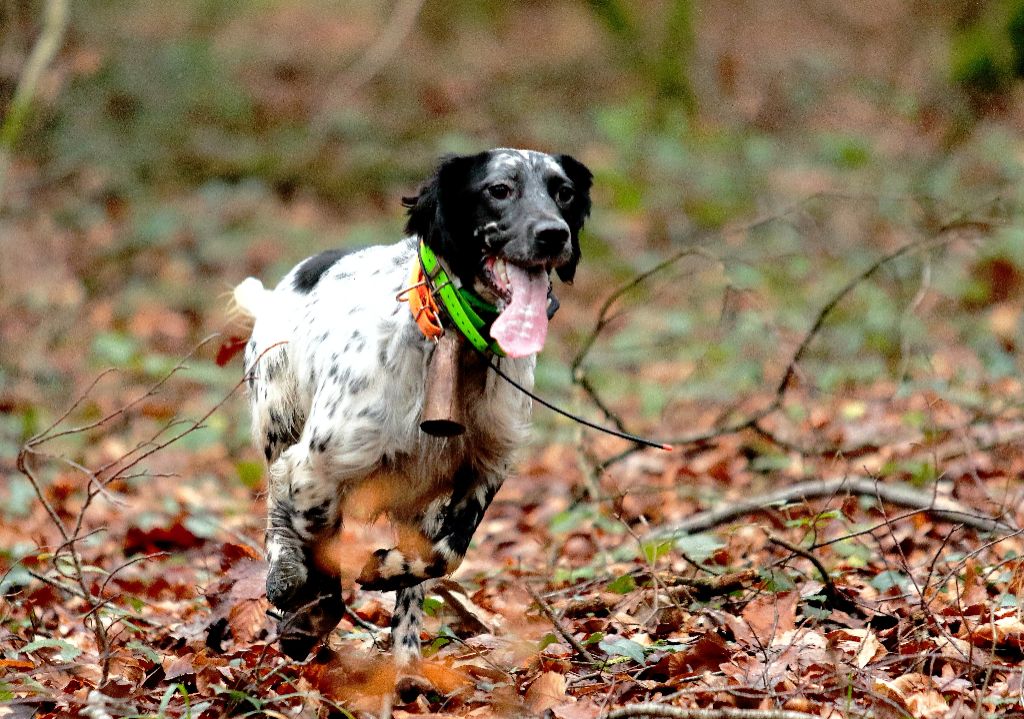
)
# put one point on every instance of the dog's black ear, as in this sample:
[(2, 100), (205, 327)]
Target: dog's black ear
[(434, 212), (577, 212)]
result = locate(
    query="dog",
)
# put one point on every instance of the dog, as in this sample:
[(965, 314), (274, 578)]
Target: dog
[(336, 367)]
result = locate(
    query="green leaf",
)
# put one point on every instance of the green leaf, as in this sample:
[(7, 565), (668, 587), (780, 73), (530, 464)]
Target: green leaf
[(776, 581), (698, 547), (653, 551), (66, 651), (546, 641), (622, 647), (569, 520), (114, 348), (594, 638), (623, 585), (888, 579), (431, 606), (250, 473), (144, 649)]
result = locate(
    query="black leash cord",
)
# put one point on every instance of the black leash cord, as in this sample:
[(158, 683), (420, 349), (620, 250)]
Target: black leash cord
[(574, 418), (429, 280)]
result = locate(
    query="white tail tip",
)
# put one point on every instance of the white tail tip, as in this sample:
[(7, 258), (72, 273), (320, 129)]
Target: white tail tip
[(250, 297)]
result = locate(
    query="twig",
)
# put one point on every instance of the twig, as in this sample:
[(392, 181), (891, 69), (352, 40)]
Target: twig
[(830, 586), (836, 598), (899, 494), (562, 631), (461, 608), (55, 21), (650, 709)]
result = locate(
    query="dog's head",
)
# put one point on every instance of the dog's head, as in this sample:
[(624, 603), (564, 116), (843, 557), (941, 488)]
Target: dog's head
[(502, 220)]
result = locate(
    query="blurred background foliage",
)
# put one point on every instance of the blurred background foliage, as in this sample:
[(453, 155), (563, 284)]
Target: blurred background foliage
[(175, 148)]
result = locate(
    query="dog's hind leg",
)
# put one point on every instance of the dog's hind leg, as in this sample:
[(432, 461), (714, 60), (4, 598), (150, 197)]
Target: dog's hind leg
[(310, 597), (303, 509)]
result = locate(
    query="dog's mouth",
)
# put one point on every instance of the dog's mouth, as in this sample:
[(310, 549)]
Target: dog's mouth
[(522, 325)]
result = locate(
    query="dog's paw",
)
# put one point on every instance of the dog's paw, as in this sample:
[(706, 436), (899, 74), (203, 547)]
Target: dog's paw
[(389, 569), (304, 628), (287, 578)]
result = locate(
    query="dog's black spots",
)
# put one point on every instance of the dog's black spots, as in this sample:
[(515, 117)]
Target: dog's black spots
[(436, 567), (310, 271), (358, 384), (316, 517), (373, 413), (281, 513), (321, 446), (459, 542)]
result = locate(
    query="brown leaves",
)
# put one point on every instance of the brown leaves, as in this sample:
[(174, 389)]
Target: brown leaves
[(916, 694), (766, 618), (546, 691), (1004, 631)]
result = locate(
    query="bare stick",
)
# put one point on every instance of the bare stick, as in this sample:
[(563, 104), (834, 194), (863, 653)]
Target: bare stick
[(650, 709), (562, 631), (900, 494)]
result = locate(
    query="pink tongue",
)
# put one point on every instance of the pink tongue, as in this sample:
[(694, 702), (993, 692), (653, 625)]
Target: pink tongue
[(522, 326)]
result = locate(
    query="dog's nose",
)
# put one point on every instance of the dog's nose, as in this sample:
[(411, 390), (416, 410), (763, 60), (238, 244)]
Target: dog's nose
[(552, 238)]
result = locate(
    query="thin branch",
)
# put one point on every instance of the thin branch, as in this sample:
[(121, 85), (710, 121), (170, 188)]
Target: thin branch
[(562, 631), (899, 494), (837, 598)]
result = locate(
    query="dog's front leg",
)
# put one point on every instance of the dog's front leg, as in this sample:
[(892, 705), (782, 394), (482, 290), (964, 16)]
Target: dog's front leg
[(446, 528)]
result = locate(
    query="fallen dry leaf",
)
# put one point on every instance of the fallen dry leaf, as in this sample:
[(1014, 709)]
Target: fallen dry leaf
[(547, 691), (916, 693), (771, 615)]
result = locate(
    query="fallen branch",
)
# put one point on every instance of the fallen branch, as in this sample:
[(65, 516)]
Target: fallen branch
[(898, 494), (650, 709)]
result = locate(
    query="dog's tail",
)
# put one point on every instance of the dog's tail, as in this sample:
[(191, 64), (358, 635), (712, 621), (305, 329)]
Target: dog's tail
[(250, 299)]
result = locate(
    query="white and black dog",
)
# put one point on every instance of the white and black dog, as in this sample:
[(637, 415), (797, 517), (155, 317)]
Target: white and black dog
[(337, 366)]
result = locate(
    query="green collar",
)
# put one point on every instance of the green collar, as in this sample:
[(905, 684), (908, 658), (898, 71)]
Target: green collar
[(462, 306)]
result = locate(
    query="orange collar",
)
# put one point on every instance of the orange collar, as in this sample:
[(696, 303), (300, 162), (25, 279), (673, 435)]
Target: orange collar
[(422, 304)]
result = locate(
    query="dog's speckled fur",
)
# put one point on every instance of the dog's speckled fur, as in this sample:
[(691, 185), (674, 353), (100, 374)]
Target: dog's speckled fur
[(337, 369)]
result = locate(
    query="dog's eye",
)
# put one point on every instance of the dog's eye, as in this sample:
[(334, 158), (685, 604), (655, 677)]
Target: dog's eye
[(499, 191), (564, 195)]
